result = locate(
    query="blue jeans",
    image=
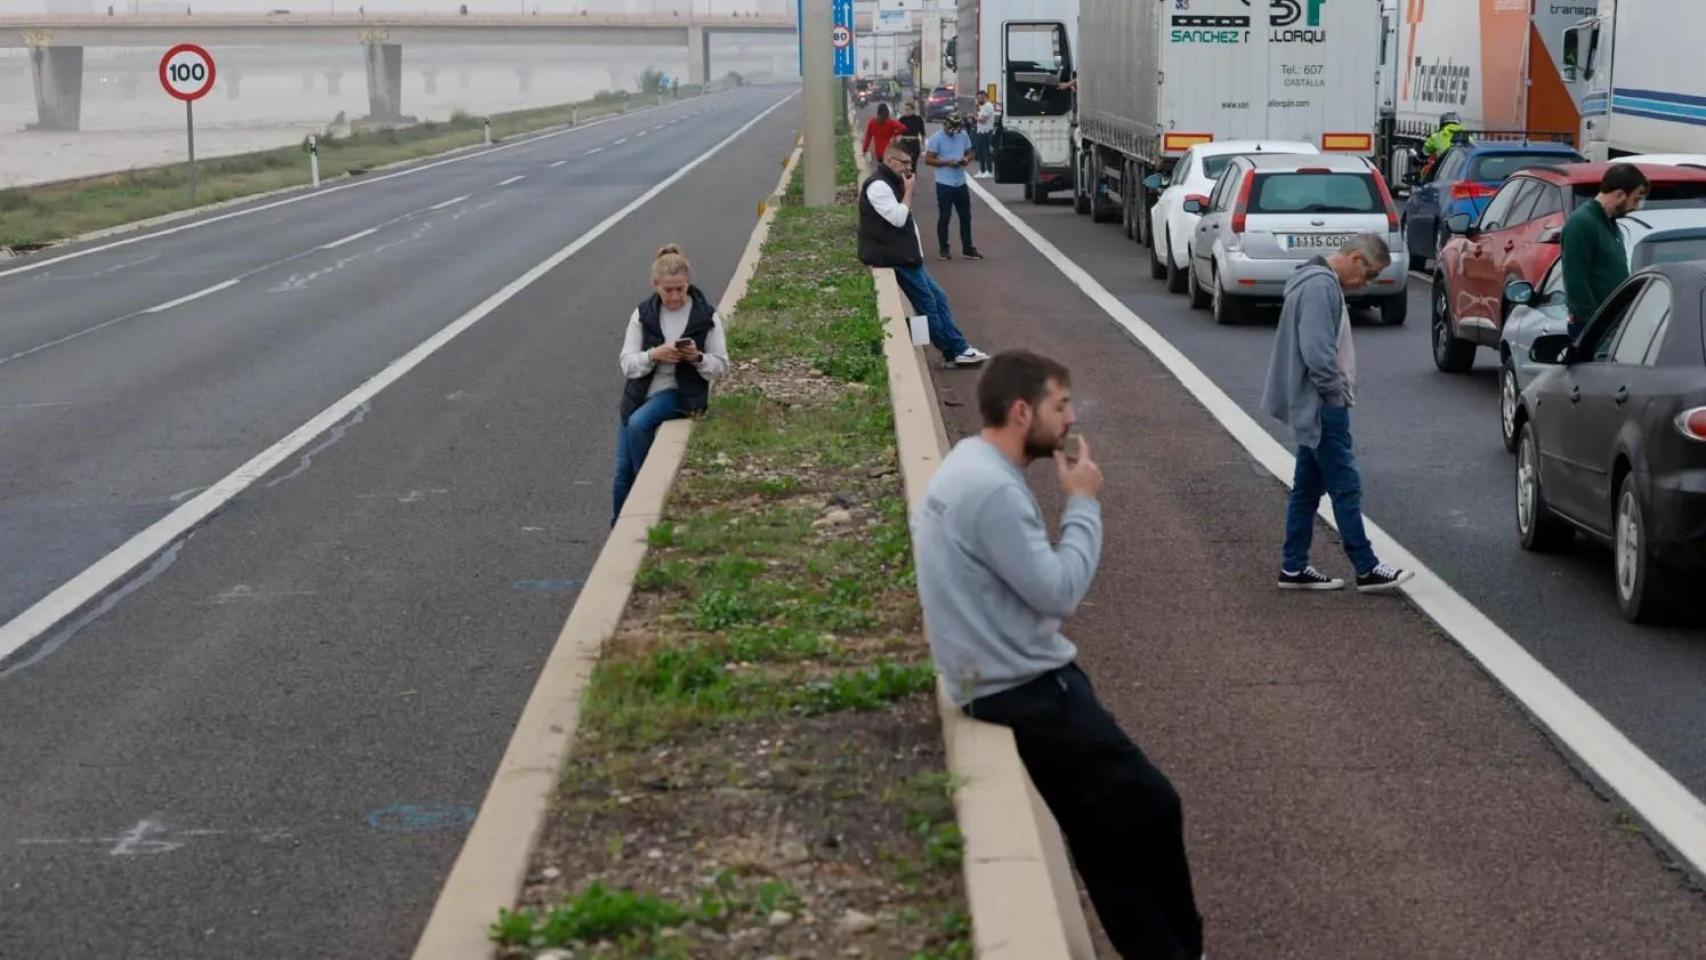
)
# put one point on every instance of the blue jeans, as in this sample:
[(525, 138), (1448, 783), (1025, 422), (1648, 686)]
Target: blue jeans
[(951, 200), (1330, 468), (634, 441), (929, 299), (981, 142)]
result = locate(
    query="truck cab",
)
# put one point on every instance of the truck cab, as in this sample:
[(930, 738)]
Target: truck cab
[(1587, 68), (1024, 57)]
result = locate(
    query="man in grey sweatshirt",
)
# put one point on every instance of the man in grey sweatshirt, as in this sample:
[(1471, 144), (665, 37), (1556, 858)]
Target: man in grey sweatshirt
[(1311, 386), (995, 591)]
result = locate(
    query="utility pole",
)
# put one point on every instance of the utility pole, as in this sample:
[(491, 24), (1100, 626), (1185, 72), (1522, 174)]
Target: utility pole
[(820, 82)]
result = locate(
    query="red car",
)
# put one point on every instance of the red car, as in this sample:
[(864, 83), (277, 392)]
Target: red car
[(1517, 238)]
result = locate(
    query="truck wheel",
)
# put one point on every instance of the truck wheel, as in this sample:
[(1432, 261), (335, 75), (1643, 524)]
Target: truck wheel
[(1101, 211), (1081, 184), (1037, 194)]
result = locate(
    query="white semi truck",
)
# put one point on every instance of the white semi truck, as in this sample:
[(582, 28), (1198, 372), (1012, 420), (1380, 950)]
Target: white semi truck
[(1643, 92), (1497, 64), (1157, 77), (1021, 52)]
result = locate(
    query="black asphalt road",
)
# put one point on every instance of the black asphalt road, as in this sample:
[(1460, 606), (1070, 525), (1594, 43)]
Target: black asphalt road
[(271, 744), (1436, 477)]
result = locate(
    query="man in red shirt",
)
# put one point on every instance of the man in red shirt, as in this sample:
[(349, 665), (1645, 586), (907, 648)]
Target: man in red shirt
[(879, 131)]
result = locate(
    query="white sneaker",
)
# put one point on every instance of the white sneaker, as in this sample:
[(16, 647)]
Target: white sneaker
[(970, 358)]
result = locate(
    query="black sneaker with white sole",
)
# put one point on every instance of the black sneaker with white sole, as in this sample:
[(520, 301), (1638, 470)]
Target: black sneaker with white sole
[(972, 254), (1382, 578), (1308, 578)]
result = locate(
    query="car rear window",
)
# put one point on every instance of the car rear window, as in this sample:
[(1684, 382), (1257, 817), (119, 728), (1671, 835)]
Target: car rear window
[(1664, 196), (1315, 193), (1493, 167), (1669, 250)]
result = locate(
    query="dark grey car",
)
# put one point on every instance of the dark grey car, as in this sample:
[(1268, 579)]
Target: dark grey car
[(1613, 436)]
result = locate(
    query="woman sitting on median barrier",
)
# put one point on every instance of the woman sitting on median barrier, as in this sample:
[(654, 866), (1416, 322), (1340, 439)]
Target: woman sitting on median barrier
[(673, 350)]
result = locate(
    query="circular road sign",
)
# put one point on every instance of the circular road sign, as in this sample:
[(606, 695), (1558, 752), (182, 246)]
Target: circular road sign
[(186, 71), (842, 36)]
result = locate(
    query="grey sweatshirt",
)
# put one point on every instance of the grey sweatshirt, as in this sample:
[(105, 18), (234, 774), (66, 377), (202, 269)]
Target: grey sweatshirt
[(994, 589), (1313, 363)]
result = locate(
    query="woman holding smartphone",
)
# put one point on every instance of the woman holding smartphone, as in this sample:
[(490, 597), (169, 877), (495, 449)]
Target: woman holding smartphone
[(674, 348)]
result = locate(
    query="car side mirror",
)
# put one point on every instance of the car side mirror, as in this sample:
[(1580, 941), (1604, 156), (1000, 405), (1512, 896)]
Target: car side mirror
[(1519, 292), (1551, 348), (1196, 203), (1460, 225), (1155, 182)]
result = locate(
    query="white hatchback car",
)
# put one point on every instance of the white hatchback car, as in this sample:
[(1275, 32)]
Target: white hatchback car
[(1194, 176)]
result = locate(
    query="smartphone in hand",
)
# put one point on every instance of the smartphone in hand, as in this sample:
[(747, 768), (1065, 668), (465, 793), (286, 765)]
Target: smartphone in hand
[(685, 343)]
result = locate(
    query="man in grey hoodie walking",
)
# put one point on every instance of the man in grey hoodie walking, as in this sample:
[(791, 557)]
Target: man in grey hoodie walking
[(1311, 386)]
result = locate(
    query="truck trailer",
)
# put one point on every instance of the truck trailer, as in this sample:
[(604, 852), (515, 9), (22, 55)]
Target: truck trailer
[(1158, 77), (1496, 64), (1021, 53), (1642, 92)]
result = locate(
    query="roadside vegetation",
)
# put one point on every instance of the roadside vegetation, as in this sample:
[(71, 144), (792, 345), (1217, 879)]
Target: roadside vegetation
[(759, 768), (32, 216)]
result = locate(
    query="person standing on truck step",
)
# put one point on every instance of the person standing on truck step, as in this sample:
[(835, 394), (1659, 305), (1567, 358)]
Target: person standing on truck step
[(888, 237), (878, 132), (1311, 386), (949, 151), (674, 348), (914, 124), (994, 592), (1595, 262), (985, 138)]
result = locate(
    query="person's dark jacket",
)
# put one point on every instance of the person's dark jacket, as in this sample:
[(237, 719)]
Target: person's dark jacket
[(693, 390), (1595, 262), (914, 125), (881, 243)]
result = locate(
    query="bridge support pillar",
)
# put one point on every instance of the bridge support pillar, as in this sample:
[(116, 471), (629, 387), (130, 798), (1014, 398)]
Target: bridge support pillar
[(698, 55), (385, 81), (58, 75)]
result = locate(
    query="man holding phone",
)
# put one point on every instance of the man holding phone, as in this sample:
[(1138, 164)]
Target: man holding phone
[(949, 150), (888, 237), (994, 591)]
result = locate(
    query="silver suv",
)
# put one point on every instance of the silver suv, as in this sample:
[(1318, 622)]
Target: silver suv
[(1269, 215)]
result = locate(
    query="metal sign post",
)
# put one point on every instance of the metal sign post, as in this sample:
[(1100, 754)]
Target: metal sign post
[(187, 72)]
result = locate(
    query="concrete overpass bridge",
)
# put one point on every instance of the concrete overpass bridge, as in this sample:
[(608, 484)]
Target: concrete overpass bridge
[(56, 43)]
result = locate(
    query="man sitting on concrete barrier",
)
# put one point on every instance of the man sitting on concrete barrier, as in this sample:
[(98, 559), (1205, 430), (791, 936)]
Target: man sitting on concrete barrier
[(888, 237), (995, 591)]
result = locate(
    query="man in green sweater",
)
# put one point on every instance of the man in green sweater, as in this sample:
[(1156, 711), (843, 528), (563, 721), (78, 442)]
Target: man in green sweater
[(1594, 259)]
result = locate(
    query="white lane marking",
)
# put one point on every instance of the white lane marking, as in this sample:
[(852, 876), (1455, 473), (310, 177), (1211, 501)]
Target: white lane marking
[(660, 126), (642, 133), (593, 151), (100, 576), (169, 304), (620, 142), (1673, 812), (370, 231), (21, 354), (558, 164), (125, 266), (451, 202), (322, 192), (514, 179), (1419, 275)]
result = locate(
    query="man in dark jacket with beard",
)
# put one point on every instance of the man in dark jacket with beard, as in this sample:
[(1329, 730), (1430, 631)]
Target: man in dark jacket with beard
[(888, 237)]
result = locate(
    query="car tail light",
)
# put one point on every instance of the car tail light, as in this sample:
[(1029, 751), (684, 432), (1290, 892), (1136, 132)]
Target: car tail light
[(1471, 190), (1240, 213), (1386, 198), (1692, 423)]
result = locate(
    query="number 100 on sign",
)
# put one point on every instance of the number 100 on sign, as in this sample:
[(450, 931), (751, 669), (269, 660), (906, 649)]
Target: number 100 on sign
[(186, 71)]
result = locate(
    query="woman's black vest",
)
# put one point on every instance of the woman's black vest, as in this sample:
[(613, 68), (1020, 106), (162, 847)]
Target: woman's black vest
[(881, 243), (693, 391)]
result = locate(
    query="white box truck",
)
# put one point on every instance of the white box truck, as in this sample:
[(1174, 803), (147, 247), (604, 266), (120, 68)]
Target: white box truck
[(1497, 64), (1160, 76), (1643, 92), (1020, 52)]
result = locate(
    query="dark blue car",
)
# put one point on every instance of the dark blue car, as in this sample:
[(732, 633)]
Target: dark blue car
[(1463, 181)]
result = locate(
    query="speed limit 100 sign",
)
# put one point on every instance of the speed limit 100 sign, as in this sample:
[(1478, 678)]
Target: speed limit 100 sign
[(186, 71)]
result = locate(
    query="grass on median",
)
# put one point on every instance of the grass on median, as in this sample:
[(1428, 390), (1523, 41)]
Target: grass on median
[(759, 769), (34, 215)]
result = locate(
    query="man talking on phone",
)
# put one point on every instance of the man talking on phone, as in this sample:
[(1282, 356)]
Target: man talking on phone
[(994, 591), (888, 237)]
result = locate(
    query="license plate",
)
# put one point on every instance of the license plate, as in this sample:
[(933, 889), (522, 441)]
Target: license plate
[(1316, 241)]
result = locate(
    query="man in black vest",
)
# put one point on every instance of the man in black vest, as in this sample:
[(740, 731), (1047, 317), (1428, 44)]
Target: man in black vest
[(888, 237), (674, 348)]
